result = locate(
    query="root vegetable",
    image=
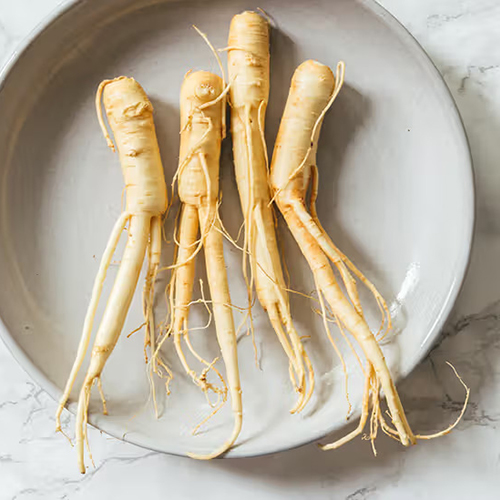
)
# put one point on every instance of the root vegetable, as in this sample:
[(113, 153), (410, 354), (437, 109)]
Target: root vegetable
[(293, 168), (202, 131), (130, 116), (293, 171), (248, 62)]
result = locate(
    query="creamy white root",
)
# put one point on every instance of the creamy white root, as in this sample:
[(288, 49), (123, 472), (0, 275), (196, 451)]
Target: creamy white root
[(154, 255), (91, 312), (113, 318), (223, 314), (202, 130), (130, 116), (312, 92), (293, 171), (248, 62)]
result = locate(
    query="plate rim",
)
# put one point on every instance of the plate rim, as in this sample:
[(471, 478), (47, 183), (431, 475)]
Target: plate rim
[(469, 203)]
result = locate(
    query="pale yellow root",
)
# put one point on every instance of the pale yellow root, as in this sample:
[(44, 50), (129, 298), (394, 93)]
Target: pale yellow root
[(376, 413), (103, 398), (182, 288), (271, 289), (223, 316), (113, 319), (299, 225), (202, 379), (293, 170), (353, 322), (184, 279), (202, 130), (340, 259), (312, 92), (154, 254), (91, 312), (148, 296), (275, 319), (464, 407), (248, 62), (365, 409), (130, 116), (334, 345)]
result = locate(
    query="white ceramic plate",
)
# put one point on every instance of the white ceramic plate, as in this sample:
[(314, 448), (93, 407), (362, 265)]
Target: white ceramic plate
[(396, 195)]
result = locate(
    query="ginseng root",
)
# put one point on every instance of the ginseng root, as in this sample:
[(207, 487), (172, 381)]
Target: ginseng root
[(248, 62), (130, 116), (293, 172), (202, 130)]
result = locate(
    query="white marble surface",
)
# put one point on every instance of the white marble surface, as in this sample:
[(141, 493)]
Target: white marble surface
[(463, 39)]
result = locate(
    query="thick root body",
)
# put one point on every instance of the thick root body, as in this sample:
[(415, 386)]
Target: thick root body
[(248, 61), (130, 116), (202, 130), (293, 170)]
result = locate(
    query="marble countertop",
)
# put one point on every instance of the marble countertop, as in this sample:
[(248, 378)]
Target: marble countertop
[(463, 39)]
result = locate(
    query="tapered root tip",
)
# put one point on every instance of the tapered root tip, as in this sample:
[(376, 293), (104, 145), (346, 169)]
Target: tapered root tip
[(300, 403), (226, 446), (58, 418), (81, 423), (332, 446)]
